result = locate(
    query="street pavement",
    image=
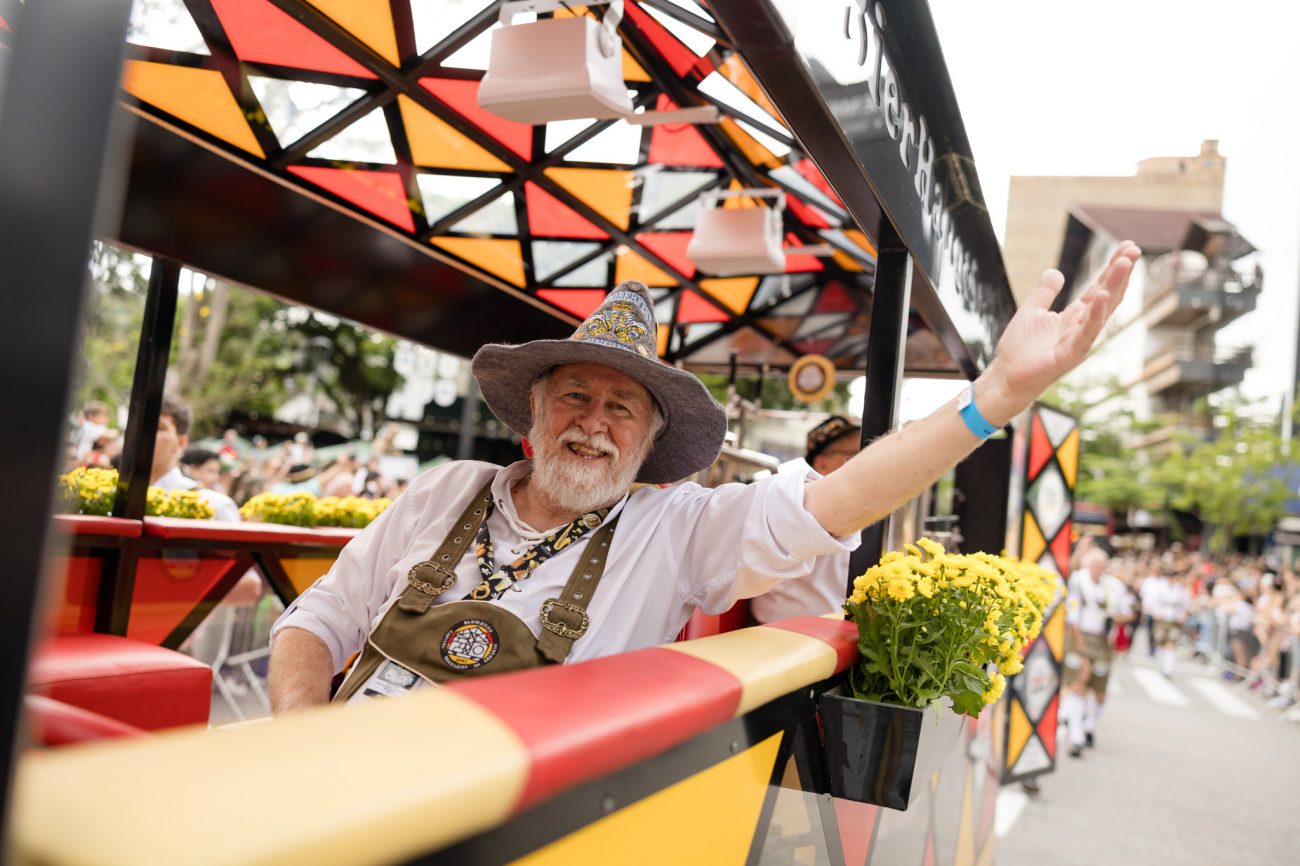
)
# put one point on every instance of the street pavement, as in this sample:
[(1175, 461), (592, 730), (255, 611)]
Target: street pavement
[(1190, 771)]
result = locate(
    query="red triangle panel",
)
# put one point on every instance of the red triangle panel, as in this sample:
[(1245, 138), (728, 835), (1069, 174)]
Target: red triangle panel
[(671, 247), (581, 302), (4, 25), (261, 33), (814, 176), (835, 299), (1047, 726), (1061, 548), (463, 97), (551, 218), (696, 309), (1040, 448), (679, 144), (857, 824), (806, 215), (380, 192), (683, 60), (796, 263)]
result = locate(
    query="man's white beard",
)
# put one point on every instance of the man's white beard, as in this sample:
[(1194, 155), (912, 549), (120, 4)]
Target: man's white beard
[(577, 486)]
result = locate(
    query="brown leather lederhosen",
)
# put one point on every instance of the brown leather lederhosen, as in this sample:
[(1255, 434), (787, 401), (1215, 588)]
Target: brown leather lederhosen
[(472, 638)]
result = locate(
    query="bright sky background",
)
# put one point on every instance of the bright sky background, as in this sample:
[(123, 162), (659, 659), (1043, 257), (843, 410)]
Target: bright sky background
[(1090, 89)]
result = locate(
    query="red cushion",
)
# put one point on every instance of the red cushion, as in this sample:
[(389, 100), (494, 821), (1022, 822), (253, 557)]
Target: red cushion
[(141, 684), (703, 624), (54, 723)]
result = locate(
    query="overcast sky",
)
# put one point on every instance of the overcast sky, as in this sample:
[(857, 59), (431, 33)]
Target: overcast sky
[(1084, 89)]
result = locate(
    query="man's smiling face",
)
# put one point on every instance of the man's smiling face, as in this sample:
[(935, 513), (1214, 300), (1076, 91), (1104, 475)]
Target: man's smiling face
[(592, 428)]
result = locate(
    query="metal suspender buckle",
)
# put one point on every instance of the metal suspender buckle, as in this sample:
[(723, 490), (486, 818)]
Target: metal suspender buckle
[(560, 628), (430, 569)]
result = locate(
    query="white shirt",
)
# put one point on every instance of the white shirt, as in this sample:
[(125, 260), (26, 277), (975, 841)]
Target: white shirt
[(1090, 603), (1167, 601), (223, 507), (820, 592), (675, 549)]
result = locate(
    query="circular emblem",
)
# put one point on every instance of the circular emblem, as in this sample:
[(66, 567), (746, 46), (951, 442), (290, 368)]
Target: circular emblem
[(811, 378), (469, 644), (591, 521)]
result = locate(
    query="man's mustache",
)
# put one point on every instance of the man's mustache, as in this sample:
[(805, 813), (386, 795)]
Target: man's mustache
[(594, 441)]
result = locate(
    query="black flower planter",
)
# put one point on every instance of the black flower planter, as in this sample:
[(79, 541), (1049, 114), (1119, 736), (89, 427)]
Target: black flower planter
[(882, 753)]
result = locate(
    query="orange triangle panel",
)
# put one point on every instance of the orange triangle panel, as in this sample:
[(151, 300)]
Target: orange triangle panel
[(1068, 456), (857, 824), (380, 192), (1047, 726), (435, 144), (847, 262), (1061, 545), (167, 590), (551, 218), (749, 146), (695, 309), (494, 255), (463, 97), (1019, 733), (1034, 544), (580, 302), (734, 292), (1054, 632), (261, 33), (671, 247), (664, 331), (632, 70), (860, 239), (199, 97), (1040, 448), (371, 21), (607, 192), (634, 266)]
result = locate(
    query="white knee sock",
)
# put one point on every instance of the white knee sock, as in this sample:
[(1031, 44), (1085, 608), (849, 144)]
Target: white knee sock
[(1168, 656), (1072, 709), (1091, 710)]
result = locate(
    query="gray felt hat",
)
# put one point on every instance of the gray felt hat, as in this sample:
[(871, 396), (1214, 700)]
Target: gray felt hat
[(620, 334)]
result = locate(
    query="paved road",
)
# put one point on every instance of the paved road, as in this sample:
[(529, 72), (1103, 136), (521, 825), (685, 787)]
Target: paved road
[(1191, 771)]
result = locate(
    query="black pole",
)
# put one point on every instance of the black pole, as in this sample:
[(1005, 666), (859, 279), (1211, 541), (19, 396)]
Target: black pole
[(890, 304), (60, 85), (117, 585)]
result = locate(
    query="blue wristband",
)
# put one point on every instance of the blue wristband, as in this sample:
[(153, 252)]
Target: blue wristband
[(975, 422)]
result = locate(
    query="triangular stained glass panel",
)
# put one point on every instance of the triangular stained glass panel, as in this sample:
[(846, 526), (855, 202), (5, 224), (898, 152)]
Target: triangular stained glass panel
[(617, 144), (685, 33), (435, 144), (164, 24), (199, 97), (474, 54), (367, 140), (734, 292), (552, 256), (835, 299), (682, 60), (664, 308), (561, 132), (444, 193), (370, 21), (435, 20), (295, 108), (261, 33), (696, 309), (606, 191), (680, 144), (593, 273), (497, 217), (660, 189), (1057, 425), (671, 247), (380, 192), (797, 305), (721, 90), (580, 302), (496, 256), (814, 325), (550, 217), (462, 96), (633, 266)]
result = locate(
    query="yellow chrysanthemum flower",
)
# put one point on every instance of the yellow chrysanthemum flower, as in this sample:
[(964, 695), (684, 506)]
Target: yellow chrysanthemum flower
[(900, 589)]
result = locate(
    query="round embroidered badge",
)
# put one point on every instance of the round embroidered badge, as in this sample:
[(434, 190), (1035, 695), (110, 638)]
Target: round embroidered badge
[(469, 644)]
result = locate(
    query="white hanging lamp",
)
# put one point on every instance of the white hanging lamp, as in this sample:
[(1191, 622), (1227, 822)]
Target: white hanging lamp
[(565, 69), (744, 240)]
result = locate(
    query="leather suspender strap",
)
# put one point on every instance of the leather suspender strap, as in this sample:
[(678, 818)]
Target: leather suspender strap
[(437, 574), (564, 619)]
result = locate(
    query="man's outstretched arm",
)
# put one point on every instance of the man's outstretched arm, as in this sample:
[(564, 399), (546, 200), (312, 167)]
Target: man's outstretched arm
[(1037, 348), (300, 671)]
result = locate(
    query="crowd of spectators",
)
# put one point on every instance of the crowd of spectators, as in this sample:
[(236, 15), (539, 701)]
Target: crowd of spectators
[(236, 467), (1237, 611)]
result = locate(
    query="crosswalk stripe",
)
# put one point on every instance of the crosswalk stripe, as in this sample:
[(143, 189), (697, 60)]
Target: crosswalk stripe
[(1223, 699), (1158, 688), (1010, 804)]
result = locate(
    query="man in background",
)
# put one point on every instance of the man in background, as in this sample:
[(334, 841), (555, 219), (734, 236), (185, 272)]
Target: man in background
[(172, 439)]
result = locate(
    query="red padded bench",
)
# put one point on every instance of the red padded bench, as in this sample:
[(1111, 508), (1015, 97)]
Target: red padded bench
[(142, 685)]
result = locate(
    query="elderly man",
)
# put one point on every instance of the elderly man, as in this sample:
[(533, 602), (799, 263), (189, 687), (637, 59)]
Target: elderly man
[(1094, 601), (566, 564)]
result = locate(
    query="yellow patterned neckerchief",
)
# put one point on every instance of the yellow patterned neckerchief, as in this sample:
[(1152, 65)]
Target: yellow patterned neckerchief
[(496, 581)]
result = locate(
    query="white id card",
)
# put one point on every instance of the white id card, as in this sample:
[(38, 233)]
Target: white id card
[(389, 681)]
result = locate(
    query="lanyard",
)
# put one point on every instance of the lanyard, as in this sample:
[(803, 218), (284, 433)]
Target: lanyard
[(496, 581)]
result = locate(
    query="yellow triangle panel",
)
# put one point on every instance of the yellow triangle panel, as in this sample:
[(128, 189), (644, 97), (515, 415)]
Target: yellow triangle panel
[(632, 70), (434, 144), (847, 262), (608, 193), (303, 572), (494, 255), (1033, 545), (734, 292), (634, 266), (370, 21), (707, 818), (199, 97), (1068, 456), (1054, 632), (1020, 731), (861, 240), (664, 331), (754, 152)]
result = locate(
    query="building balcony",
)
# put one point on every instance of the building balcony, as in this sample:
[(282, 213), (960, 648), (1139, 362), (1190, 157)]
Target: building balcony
[(1215, 297), (1178, 370)]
